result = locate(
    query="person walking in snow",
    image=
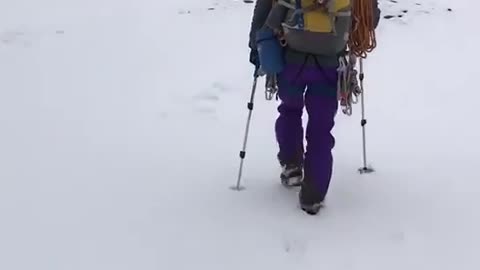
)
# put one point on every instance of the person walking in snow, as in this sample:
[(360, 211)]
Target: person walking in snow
[(312, 35)]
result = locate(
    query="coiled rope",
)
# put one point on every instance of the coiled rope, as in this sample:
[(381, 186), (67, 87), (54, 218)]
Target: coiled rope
[(362, 37)]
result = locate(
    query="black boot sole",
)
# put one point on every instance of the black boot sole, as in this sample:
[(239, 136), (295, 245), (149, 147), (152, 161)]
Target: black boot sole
[(312, 209), (286, 184)]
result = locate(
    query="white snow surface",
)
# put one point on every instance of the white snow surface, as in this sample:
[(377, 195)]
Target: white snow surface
[(121, 122)]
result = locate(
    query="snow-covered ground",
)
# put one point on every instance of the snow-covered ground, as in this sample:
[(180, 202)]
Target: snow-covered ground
[(121, 122)]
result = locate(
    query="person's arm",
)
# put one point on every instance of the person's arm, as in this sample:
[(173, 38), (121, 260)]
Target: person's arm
[(376, 13), (260, 14)]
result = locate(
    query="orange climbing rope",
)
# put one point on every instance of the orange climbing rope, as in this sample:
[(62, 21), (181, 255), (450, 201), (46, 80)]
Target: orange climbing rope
[(362, 38)]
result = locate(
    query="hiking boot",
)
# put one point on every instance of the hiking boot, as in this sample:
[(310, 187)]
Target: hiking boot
[(292, 175), (310, 200)]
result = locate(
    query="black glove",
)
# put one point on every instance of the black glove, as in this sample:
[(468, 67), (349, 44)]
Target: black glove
[(254, 58)]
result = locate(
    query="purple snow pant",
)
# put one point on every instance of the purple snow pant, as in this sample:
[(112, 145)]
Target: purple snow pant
[(314, 88)]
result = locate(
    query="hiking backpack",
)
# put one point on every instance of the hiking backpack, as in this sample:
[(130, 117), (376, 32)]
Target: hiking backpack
[(320, 27)]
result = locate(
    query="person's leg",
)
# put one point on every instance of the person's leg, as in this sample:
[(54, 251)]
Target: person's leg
[(288, 127), (321, 103)]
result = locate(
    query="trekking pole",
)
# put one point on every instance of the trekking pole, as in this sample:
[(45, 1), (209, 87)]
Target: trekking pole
[(243, 152), (365, 168)]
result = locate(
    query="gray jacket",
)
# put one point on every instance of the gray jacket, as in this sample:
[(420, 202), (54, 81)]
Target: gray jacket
[(260, 14)]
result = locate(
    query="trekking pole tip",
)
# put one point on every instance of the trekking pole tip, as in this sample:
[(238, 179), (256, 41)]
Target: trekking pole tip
[(366, 170), (237, 188)]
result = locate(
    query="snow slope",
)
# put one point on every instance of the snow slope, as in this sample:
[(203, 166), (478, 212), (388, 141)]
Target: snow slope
[(121, 121)]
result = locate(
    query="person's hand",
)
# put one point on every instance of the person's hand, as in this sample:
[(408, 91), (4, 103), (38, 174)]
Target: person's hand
[(254, 58)]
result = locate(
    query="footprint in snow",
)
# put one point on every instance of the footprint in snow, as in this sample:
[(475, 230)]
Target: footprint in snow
[(206, 101), (163, 115), (221, 87), (14, 38), (294, 245), (25, 38), (206, 96)]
